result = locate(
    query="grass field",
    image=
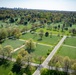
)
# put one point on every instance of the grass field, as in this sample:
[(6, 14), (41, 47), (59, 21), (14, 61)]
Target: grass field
[(13, 43), (67, 51), (40, 51), (54, 31), (70, 41), (46, 40)]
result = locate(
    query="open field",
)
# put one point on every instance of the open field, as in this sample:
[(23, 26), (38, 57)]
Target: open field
[(13, 43), (70, 41), (68, 48), (48, 30), (40, 51), (46, 40), (54, 31), (67, 51)]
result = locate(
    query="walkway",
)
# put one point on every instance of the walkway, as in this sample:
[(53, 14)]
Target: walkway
[(47, 60), (14, 60), (69, 46), (33, 64), (17, 48), (38, 43)]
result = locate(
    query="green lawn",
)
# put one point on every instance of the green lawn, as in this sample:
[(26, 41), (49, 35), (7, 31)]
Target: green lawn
[(46, 40), (54, 31), (39, 51), (70, 41), (67, 51), (13, 43)]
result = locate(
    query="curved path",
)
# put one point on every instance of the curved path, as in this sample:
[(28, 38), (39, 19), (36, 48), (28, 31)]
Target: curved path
[(46, 61)]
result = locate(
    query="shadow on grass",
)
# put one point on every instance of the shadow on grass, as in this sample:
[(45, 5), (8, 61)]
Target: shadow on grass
[(29, 51), (39, 40)]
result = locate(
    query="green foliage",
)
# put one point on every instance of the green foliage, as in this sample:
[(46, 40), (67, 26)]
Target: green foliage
[(11, 20), (16, 33), (45, 71), (46, 34), (3, 34), (41, 33), (19, 60), (10, 73), (8, 49), (66, 62), (30, 45), (23, 52)]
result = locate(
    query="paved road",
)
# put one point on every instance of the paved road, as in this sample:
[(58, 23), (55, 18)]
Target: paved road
[(46, 61)]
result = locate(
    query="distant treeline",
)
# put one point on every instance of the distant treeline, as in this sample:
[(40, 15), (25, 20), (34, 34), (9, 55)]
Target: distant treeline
[(43, 16)]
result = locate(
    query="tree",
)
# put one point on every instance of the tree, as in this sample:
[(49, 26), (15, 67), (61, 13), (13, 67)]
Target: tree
[(3, 35), (46, 34), (16, 33), (23, 52), (63, 26), (8, 49), (28, 59), (58, 27), (11, 20), (57, 65), (10, 73), (25, 23), (30, 45), (19, 60), (44, 71), (2, 52), (9, 31), (55, 28), (41, 59), (73, 31), (74, 68), (41, 33), (17, 65), (66, 62)]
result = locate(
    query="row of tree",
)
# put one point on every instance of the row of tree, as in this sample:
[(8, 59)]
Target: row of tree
[(9, 33), (66, 63)]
